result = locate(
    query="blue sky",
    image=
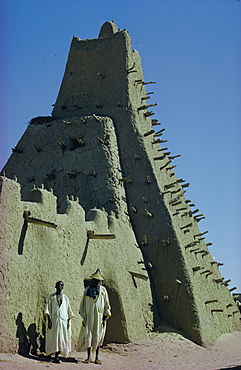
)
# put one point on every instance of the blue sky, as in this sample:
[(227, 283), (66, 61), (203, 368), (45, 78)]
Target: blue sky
[(191, 48)]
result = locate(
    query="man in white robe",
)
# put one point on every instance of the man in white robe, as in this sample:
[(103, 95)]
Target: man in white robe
[(58, 331), (94, 310)]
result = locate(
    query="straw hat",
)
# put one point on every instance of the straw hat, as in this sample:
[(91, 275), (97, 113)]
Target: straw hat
[(87, 278), (97, 275)]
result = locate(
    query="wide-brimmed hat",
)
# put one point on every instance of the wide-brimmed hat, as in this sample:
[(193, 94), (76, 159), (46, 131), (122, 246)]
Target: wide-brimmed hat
[(97, 275), (87, 278)]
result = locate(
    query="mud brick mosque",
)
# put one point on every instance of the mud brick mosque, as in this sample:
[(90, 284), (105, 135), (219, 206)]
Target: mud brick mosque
[(93, 186)]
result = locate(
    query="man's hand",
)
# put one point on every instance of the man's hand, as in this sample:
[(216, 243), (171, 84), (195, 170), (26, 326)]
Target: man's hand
[(49, 323)]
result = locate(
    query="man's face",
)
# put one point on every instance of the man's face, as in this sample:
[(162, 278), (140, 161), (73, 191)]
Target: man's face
[(95, 282), (59, 286)]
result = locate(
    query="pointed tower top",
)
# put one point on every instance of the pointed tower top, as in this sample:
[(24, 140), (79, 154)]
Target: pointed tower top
[(108, 29)]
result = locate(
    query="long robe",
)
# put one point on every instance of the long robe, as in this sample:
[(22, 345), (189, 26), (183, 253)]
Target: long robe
[(58, 338), (92, 331)]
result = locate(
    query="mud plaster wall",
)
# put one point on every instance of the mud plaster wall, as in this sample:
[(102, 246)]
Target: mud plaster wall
[(37, 257), (104, 77)]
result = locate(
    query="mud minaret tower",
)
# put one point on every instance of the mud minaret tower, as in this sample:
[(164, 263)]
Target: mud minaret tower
[(103, 146)]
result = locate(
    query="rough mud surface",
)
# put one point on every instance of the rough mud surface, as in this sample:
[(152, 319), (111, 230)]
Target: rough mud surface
[(162, 351)]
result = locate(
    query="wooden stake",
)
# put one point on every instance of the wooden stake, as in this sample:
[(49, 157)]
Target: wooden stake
[(144, 240), (209, 273), (97, 118), (131, 68), (156, 124), (183, 227), (158, 135), (170, 185), (147, 114), (160, 131), (195, 211), (126, 179), (186, 185), (205, 232), (159, 141), (171, 167), (175, 191), (159, 158), (149, 132), (190, 245), (174, 156), (165, 165), (194, 250), (61, 143), (145, 98), (148, 213), (218, 280), (196, 268), (92, 235), (213, 301), (151, 105), (204, 272), (201, 251), (138, 276), (197, 216), (148, 179), (37, 221), (175, 199), (148, 83), (226, 282), (142, 107), (199, 219), (204, 253), (162, 150)]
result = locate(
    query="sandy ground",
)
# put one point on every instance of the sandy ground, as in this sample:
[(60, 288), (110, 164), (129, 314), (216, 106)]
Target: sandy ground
[(162, 351)]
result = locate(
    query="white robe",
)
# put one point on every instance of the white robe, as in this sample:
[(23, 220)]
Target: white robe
[(91, 310), (58, 338)]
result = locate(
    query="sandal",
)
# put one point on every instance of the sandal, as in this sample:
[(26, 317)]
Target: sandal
[(98, 362), (86, 361)]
